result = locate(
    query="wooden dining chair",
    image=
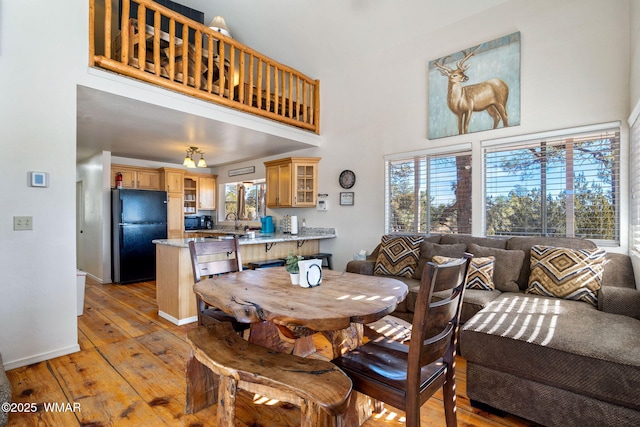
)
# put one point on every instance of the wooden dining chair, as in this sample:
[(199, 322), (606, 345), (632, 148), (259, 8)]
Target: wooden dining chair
[(406, 376), (211, 258)]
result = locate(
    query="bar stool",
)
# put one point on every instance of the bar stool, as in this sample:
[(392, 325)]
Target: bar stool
[(324, 257), (265, 264)]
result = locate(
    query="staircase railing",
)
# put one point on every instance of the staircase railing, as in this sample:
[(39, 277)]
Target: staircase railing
[(182, 55)]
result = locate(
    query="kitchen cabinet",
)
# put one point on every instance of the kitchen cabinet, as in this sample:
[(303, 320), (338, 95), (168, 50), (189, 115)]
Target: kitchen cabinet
[(199, 193), (292, 182), (175, 216), (172, 181), (190, 195), (133, 177), (207, 193)]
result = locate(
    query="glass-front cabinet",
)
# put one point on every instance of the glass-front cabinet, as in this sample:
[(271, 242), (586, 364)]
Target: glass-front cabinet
[(292, 182)]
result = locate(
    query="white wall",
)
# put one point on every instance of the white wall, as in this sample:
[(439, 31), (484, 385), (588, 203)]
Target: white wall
[(38, 75), (575, 70), (93, 251)]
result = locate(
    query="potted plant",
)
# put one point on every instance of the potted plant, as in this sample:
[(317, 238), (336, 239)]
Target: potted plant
[(291, 264)]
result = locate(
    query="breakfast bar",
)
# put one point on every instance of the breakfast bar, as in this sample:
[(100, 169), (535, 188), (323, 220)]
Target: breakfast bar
[(174, 274)]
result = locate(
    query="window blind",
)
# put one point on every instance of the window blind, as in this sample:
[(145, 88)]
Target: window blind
[(567, 186), (429, 193)]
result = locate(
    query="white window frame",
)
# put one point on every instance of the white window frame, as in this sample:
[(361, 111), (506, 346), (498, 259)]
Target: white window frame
[(555, 135), (466, 147)]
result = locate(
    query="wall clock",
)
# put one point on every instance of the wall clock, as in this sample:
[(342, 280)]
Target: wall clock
[(347, 179)]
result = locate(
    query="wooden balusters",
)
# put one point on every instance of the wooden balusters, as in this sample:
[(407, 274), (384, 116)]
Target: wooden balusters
[(209, 66)]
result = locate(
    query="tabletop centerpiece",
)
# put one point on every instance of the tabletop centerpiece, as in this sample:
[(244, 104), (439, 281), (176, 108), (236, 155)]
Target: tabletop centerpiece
[(291, 265)]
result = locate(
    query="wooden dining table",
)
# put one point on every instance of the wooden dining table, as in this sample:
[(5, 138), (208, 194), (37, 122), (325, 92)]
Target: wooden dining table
[(284, 316)]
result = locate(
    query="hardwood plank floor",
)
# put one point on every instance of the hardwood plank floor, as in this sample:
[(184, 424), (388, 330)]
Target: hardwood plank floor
[(130, 372)]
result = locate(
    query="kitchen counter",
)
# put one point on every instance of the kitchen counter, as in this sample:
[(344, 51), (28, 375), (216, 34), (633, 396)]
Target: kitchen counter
[(311, 234), (174, 273)]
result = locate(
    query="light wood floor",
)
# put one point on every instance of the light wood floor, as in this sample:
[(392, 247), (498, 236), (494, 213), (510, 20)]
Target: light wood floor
[(130, 372)]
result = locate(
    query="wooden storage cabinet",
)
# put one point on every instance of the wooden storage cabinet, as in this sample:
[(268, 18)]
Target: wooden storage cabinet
[(138, 178), (190, 195), (199, 193), (172, 181), (292, 182), (207, 193)]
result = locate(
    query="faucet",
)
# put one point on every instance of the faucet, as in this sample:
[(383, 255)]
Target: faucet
[(235, 219)]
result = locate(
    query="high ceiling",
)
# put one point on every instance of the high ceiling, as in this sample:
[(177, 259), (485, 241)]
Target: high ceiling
[(315, 37)]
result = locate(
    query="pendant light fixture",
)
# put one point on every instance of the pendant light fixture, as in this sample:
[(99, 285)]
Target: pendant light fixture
[(190, 163)]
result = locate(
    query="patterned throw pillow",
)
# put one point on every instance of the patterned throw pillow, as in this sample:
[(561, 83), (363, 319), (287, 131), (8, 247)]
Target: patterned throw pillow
[(398, 256), (574, 274), (480, 274)]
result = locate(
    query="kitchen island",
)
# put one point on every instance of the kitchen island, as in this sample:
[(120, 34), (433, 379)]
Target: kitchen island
[(174, 274)]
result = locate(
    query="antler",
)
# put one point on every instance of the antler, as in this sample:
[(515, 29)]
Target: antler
[(445, 71), (467, 55)]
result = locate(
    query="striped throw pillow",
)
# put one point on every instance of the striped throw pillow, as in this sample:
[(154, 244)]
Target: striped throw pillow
[(480, 274)]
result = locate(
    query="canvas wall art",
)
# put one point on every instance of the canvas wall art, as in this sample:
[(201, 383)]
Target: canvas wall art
[(476, 89)]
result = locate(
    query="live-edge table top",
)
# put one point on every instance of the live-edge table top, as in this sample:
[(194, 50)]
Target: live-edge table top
[(268, 295)]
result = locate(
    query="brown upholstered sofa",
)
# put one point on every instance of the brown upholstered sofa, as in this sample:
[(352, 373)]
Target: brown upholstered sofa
[(554, 361)]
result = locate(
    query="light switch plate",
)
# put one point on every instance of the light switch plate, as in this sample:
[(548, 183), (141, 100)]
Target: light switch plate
[(22, 223)]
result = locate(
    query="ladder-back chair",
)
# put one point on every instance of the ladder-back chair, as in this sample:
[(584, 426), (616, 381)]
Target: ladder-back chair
[(211, 258), (406, 376)]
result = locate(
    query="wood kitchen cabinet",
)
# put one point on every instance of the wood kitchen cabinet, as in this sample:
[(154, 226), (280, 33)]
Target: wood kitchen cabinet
[(138, 178), (207, 193), (172, 181), (199, 193), (292, 182)]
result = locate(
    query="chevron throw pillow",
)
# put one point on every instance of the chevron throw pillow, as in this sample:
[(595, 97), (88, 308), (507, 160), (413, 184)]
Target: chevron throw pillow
[(398, 256), (574, 274), (480, 274)]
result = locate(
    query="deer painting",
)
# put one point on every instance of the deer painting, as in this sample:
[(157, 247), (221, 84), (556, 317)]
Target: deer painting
[(490, 95)]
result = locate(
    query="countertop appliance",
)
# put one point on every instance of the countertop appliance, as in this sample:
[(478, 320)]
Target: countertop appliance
[(138, 217), (193, 222)]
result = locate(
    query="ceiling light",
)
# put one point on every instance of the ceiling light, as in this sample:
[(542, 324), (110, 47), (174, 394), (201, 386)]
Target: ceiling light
[(218, 24), (190, 163)]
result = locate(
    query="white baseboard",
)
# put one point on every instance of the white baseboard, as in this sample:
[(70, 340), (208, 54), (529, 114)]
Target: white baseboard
[(175, 321), (12, 364)]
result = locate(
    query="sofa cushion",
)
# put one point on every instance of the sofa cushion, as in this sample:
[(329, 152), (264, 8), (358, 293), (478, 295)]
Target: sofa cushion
[(428, 250), (480, 274), (525, 243), (474, 301), (398, 255), (574, 274), (562, 343), (508, 265)]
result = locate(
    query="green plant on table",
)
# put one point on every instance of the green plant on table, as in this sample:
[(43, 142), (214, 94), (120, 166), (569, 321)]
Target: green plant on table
[(291, 264)]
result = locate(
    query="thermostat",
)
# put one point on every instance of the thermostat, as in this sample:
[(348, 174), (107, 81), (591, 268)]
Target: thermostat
[(38, 179), (322, 205)]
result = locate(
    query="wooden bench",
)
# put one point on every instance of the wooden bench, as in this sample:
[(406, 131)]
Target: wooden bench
[(221, 362)]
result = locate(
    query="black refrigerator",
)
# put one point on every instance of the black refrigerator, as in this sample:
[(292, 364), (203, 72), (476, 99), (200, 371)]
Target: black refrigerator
[(138, 218)]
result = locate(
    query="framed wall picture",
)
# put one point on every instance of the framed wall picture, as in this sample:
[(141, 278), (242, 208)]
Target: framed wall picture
[(346, 198), (476, 89)]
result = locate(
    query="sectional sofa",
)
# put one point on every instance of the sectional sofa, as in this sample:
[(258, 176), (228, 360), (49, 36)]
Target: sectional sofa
[(555, 338)]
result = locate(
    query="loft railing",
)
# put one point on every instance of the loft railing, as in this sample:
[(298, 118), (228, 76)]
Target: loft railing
[(186, 57)]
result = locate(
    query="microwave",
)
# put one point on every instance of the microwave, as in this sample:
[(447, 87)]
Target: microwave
[(193, 222)]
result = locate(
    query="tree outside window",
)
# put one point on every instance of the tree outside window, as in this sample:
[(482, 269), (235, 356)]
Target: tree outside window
[(568, 187)]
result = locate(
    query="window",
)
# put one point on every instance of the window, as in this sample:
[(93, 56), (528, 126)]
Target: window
[(251, 205), (429, 193), (566, 186)]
